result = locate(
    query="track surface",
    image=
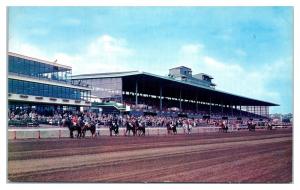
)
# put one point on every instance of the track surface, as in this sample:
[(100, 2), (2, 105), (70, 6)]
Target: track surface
[(262, 156)]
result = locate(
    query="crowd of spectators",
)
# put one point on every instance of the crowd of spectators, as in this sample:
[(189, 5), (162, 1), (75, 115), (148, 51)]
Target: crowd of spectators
[(103, 119)]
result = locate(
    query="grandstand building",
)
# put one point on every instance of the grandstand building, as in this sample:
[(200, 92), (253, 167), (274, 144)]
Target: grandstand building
[(178, 93), (43, 86)]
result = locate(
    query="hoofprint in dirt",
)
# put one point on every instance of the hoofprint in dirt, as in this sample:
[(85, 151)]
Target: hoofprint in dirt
[(262, 156)]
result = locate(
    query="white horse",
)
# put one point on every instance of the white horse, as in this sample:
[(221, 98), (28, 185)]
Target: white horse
[(185, 128), (190, 128)]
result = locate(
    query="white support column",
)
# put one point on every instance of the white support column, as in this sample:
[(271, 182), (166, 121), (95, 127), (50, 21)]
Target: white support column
[(160, 98), (222, 107), (197, 103), (240, 110), (180, 102), (136, 91), (209, 105)]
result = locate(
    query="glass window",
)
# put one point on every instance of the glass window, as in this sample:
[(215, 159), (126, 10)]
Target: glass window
[(63, 92), (54, 91), (42, 70), (31, 68), (37, 89), (10, 64), (35, 68), (59, 94), (73, 93), (46, 90), (40, 91), (50, 91), (10, 86), (19, 87), (69, 93), (26, 87), (21, 66)]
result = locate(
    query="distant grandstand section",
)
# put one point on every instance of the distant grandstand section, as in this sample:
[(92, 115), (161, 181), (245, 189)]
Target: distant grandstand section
[(178, 93)]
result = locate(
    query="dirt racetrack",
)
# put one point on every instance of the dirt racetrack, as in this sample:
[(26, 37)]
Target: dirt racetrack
[(261, 156)]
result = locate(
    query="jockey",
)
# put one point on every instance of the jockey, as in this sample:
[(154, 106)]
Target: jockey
[(75, 120)]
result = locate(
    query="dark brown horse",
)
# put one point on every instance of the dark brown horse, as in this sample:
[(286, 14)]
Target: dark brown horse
[(72, 127), (223, 127), (172, 129), (130, 126), (141, 129), (88, 126), (251, 126)]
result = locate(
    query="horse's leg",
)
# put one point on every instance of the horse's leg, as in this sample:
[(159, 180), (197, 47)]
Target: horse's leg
[(117, 131), (71, 133), (93, 133), (78, 132)]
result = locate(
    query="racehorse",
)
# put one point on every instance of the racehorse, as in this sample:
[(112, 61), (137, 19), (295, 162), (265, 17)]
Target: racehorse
[(171, 128), (140, 129), (189, 128), (251, 126), (185, 128), (72, 127), (269, 126), (130, 127), (91, 126), (224, 128), (114, 127)]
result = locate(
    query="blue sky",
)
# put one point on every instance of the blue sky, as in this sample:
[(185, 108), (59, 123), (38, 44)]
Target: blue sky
[(248, 50)]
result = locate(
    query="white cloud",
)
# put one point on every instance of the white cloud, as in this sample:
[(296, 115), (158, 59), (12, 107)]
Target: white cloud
[(104, 54), (23, 48), (232, 77), (189, 55), (192, 48), (109, 45)]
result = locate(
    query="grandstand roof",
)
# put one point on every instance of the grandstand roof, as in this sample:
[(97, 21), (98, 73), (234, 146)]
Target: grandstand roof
[(217, 95)]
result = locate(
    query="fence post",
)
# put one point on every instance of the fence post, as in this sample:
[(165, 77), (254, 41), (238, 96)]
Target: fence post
[(15, 135), (59, 134), (39, 134), (198, 131)]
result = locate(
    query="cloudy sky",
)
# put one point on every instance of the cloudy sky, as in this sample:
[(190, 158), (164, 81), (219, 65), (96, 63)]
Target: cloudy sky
[(248, 50)]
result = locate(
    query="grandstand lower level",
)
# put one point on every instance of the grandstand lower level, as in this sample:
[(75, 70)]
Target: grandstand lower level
[(143, 93)]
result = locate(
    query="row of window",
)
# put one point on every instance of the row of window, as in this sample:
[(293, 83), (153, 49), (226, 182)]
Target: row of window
[(114, 84), (38, 89), (36, 69)]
